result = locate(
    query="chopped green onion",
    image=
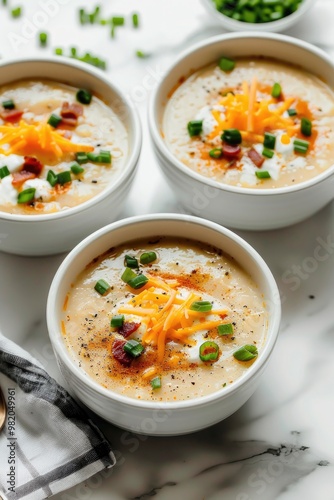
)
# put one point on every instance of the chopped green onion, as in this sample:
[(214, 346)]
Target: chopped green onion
[(249, 16), (76, 169), (246, 353), (269, 141), (138, 282), (306, 127), (226, 329), (52, 178), (156, 383), (64, 177), (93, 157), (201, 306), (300, 146), (134, 348), (292, 112), (118, 21), (268, 153), (81, 157), (300, 149), (148, 257), (209, 351), (83, 16), (84, 96), (276, 90), (73, 52), (232, 136), (54, 120), (262, 174), (104, 156), (195, 127), (102, 287), (26, 195), (117, 321), (142, 55), (135, 20), (4, 172), (58, 51), (216, 153), (9, 104), (226, 64), (128, 275), (131, 262), (16, 12), (43, 39)]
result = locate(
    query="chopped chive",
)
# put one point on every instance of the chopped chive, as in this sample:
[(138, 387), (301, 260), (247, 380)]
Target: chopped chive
[(226, 329), (148, 257), (84, 96), (52, 178), (112, 32), (76, 169), (73, 52), (142, 55), (216, 153), (201, 306), (128, 275), (268, 153), (26, 195), (138, 282), (232, 136), (117, 321), (118, 21), (43, 39), (131, 262), (4, 172), (156, 383), (292, 112), (64, 177), (226, 64), (58, 51), (134, 348), (81, 157), (104, 156), (269, 141), (300, 149), (195, 127), (102, 287), (262, 174), (306, 127), (83, 16), (300, 146), (135, 20), (9, 104), (93, 157), (246, 353), (276, 90), (209, 351), (54, 120), (16, 12)]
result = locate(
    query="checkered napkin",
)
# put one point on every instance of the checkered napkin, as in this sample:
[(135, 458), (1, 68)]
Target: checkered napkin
[(48, 443)]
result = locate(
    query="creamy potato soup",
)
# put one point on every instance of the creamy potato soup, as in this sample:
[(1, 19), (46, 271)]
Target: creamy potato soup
[(252, 122), (59, 146), (164, 320)]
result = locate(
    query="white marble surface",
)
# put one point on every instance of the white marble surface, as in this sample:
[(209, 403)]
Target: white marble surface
[(280, 445)]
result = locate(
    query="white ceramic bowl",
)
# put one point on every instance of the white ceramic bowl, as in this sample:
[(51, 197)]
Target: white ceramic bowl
[(237, 207), (57, 232), (280, 25), (150, 417)]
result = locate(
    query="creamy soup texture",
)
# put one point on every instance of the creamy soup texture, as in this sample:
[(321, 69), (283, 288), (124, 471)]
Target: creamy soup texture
[(256, 123), (185, 323), (56, 151)]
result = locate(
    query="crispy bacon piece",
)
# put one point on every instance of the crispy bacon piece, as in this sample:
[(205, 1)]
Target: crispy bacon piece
[(256, 158), (11, 115), (231, 150), (22, 176), (127, 328), (119, 354), (31, 164), (69, 122), (73, 110)]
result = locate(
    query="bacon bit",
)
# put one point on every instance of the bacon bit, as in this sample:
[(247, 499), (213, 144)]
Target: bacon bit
[(68, 122), (256, 158), (128, 328), (22, 176), (230, 150), (31, 164), (11, 115), (73, 110), (119, 354)]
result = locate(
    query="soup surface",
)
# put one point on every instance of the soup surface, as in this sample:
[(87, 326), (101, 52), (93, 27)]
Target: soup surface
[(256, 123), (183, 324), (57, 150)]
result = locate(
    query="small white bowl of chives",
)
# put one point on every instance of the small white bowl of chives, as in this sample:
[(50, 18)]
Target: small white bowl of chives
[(258, 15)]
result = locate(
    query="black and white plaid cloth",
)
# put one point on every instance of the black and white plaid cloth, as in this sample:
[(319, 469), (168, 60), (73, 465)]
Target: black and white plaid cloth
[(48, 443)]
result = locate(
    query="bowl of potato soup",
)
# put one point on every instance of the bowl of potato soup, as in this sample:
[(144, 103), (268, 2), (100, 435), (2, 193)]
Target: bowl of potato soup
[(163, 324), (69, 145), (243, 128)]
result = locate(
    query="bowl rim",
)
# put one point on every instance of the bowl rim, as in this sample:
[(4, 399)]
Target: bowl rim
[(281, 24), (134, 149), (65, 357), (154, 105)]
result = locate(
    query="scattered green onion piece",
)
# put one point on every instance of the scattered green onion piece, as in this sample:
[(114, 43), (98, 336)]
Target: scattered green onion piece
[(135, 20), (84, 96), (4, 172), (112, 32), (4, 2), (156, 383), (16, 12), (248, 16), (141, 55), (276, 90), (209, 351), (52, 178), (64, 177), (54, 120), (73, 52), (292, 112), (148, 257), (104, 156), (81, 157), (118, 21), (300, 146), (134, 348), (9, 104), (128, 275), (306, 127), (43, 39), (226, 64), (138, 282), (269, 141), (58, 51), (76, 169), (246, 353), (26, 195), (102, 287), (93, 157), (268, 153), (117, 321), (201, 306), (216, 153), (262, 174), (300, 149), (226, 329), (232, 136), (131, 262), (195, 127)]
